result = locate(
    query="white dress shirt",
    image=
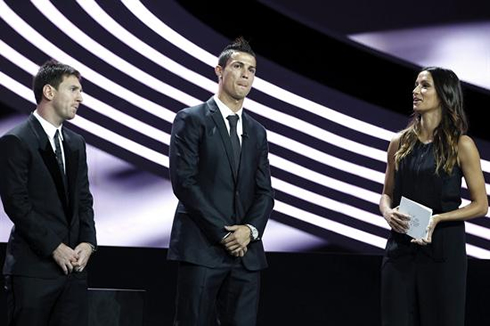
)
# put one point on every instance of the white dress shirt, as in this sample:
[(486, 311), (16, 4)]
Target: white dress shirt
[(50, 131), (225, 112)]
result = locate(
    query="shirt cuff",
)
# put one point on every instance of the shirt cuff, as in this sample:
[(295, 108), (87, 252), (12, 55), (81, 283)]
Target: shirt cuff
[(254, 233)]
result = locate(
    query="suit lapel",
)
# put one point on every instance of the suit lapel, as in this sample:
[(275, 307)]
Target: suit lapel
[(246, 142), (225, 136), (71, 162), (49, 158)]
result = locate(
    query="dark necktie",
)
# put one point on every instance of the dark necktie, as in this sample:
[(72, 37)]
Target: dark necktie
[(59, 155), (235, 142), (59, 159)]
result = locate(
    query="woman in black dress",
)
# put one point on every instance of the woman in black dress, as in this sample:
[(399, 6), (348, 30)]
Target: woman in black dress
[(424, 280)]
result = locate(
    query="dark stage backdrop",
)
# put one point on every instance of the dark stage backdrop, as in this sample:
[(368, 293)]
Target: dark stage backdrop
[(141, 62)]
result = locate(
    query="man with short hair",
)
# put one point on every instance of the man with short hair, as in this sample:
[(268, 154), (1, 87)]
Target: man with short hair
[(220, 173), (45, 192)]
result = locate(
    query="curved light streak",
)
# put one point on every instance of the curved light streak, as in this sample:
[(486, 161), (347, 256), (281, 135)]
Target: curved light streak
[(327, 224), (162, 159), (327, 159), (333, 205), (107, 22), (160, 28), (96, 105), (27, 32), (77, 35), (322, 222), (354, 212), (314, 131), (30, 67), (353, 233), (89, 126), (324, 180), (102, 108), (477, 252), (286, 209), (35, 38), (161, 136)]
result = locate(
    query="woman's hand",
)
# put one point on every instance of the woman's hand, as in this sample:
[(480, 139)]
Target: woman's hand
[(397, 220), (430, 229)]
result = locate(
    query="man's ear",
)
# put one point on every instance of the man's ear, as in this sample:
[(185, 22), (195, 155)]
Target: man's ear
[(218, 70), (48, 92)]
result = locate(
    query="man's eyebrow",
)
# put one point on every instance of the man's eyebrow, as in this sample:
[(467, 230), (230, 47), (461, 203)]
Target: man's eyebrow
[(241, 62)]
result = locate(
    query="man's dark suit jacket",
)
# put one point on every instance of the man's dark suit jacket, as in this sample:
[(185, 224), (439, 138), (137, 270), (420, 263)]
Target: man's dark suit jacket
[(34, 198), (211, 192)]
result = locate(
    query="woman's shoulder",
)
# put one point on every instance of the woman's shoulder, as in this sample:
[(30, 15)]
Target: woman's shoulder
[(465, 140), (467, 147), (396, 139), (465, 143)]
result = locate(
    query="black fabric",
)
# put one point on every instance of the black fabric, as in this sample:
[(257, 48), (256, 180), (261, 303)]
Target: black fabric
[(215, 190), (45, 212), (59, 155), (225, 296), (212, 192), (31, 188), (426, 285), (111, 307), (55, 302), (59, 159), (235, 142)]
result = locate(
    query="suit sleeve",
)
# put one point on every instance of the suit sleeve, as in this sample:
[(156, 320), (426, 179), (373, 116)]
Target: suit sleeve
[(15, 160), (86, 212), (258, 214), (184, 167)]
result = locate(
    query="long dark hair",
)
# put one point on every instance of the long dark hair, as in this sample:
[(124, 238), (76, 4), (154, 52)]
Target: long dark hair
[(453, 122)]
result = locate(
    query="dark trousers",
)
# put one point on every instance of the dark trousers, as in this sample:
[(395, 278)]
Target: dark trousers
[(418, 291), (46, 302), (225, 296)]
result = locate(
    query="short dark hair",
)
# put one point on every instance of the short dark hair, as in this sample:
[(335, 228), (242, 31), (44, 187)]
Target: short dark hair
[(239, 45), (51, 73)]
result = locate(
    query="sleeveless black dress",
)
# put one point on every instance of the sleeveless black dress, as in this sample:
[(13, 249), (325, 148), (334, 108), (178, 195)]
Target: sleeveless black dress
[(426, 285)]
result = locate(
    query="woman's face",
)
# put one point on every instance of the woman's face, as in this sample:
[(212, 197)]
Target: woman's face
[(425, 97)]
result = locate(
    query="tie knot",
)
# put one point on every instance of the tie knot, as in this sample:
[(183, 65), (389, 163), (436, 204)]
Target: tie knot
[(233, 119), (57, 134)]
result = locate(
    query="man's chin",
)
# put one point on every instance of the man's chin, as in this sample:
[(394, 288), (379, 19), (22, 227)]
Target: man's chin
[(71, 116), (241, 95)]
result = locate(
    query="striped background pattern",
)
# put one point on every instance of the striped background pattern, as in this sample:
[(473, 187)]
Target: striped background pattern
[(141, 62)]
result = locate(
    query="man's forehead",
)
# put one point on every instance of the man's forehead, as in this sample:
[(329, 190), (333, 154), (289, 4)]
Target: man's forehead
[(242, 57), (71, 79)]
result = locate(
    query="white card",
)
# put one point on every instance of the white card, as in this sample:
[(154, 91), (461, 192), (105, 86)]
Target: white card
[(419, 217)]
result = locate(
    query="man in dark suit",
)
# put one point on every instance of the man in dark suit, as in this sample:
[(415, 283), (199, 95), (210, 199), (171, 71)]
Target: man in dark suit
[(220, 173), (45, 192)]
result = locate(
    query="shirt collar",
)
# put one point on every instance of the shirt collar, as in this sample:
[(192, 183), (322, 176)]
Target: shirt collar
[(225, 110), (49, 129)]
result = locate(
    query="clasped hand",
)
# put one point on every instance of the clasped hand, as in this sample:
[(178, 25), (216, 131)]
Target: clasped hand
[(237, 240), (72, 259)]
